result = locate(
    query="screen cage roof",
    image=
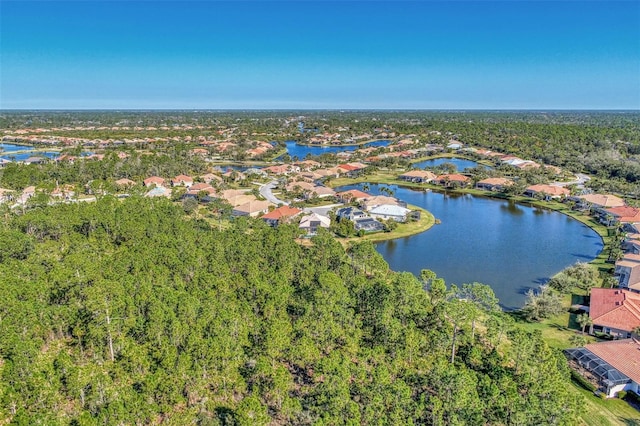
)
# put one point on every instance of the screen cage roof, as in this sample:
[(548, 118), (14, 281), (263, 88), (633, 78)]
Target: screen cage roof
[(596, 365)]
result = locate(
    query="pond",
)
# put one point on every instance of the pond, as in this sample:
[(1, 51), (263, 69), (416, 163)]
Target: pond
[(509, 246), (460, 163), (301, 151)]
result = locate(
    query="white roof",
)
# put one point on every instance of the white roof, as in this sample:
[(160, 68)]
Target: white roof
[(306, 220), (389, 210)]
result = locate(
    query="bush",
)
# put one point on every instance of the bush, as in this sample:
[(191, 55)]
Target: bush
[(622, 394), (632, 396), (577, 378)]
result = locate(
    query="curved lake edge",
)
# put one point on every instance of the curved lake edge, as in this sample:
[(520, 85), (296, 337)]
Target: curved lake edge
[(601, 260)]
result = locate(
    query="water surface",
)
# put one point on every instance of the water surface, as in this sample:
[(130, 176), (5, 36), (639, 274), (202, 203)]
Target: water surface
[(460, 163), (301, 151), (509, 246)]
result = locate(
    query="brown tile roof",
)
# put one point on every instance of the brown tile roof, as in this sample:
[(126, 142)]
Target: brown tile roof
[(623, 355), (615, 308), (603, 200), (423, 174), (496, 181), (455, 177), (353, 194)]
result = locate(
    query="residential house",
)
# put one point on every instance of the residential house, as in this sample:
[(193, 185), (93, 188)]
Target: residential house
[(153, 180), (283, 169), (379, 200), (547, 192), (311, 223), (623, 215), (418, 176), (367, 224), (453, 180), (251, 208), (210, 177), (323, 192), (390, 211), (627, 270), (280, 215), (494, 184), (182, 180), (614, 311), (614, 365), (599, 201), (350, 213), (352, 195)]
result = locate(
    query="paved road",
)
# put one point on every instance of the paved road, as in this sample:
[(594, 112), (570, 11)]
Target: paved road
[(266, 192), (579, 181)]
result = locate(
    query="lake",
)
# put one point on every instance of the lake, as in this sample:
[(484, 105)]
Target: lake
[(7, 151), (301, 151), (460, 163), (509, 246)]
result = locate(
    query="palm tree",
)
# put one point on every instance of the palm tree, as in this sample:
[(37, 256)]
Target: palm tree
[(583, 321)]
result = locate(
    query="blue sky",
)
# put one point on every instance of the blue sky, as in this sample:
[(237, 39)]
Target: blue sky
[(320, 54)]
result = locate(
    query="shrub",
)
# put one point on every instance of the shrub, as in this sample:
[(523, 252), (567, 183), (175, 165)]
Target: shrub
[(576, 377), (622, 394)]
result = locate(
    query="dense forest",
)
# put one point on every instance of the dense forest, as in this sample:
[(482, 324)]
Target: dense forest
[(130, 312)]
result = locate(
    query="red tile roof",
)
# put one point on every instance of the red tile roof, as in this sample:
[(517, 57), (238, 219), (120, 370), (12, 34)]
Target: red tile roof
[(282, 213), (549, 189), (615, 308), (623, 355), (626, 213)]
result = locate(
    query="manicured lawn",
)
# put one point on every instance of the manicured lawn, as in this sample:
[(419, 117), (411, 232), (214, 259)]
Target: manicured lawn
[(604, 412)]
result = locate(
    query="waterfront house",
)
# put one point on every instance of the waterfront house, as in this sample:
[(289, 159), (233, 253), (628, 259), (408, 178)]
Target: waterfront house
[(494, 184), (350, 213), (323, 192), (389, 211), (378, 200), (547, 192), (367, 224), (453, 180), (624, 214), (352, 195), (627, 270), (614, 366), (418, 176), (614, 311)]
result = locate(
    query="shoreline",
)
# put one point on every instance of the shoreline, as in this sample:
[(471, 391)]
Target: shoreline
[(342, 144), (600, 261)]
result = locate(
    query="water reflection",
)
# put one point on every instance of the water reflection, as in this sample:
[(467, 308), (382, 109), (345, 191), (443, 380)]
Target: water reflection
[(497, 242)]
